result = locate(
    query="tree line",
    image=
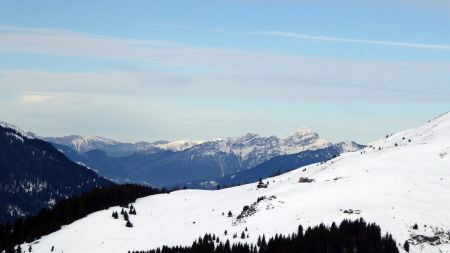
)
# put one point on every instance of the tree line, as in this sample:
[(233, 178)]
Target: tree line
[(68, 211), (348, 237)]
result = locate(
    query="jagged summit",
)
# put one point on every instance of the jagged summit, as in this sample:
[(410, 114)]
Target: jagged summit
[(302, 131)]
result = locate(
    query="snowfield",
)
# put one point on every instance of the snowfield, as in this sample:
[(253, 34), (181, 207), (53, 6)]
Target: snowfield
[(397, 182)]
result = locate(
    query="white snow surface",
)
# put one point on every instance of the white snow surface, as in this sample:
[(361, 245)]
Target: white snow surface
[(396, 187), (179, 145)]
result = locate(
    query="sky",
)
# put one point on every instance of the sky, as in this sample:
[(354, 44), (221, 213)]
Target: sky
[(167, 70)]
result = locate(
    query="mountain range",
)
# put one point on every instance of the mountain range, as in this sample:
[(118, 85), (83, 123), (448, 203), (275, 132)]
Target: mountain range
[(400, 183), (114, 148), (173, 163), (276, 166)]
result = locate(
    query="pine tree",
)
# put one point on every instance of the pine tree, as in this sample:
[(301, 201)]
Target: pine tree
[(129, 224), (300, 231), (242, 235), (263, 242), (406, 246), (230, 213)]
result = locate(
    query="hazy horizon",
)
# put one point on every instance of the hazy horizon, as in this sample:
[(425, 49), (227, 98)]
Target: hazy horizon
[(168, 70)]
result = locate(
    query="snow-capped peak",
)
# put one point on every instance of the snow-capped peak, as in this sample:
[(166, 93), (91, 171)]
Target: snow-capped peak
[(178, 145), (350, 146), (28, 135), (302, 131), (83, 143), (302, 139)]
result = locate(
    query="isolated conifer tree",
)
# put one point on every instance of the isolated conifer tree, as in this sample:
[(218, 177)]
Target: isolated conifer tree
[(230, 213), (406, 246), (129, 224), (242, 235)]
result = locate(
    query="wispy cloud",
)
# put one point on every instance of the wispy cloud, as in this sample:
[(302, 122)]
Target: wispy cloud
[(310, 37), (35, 98), (302, 36), (220, 72)]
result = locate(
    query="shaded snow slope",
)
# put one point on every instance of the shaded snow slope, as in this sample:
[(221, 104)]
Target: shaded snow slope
[(396, 187)]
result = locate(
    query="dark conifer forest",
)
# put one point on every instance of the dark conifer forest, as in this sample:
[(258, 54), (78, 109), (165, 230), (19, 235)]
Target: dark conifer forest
[(68, 211), (35, 175), (348, 237)]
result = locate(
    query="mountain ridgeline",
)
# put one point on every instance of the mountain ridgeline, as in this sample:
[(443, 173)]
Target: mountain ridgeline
[(176, 163), (35, 175), (276, 166)]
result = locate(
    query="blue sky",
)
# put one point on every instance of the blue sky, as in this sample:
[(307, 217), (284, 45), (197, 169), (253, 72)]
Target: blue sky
[(150, 70)]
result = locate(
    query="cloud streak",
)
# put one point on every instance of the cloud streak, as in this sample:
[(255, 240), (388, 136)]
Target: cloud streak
[(319, 38), (302, 36)]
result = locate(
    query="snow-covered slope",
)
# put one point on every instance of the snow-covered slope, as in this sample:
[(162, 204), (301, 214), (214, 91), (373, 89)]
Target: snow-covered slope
[(404, 182)]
